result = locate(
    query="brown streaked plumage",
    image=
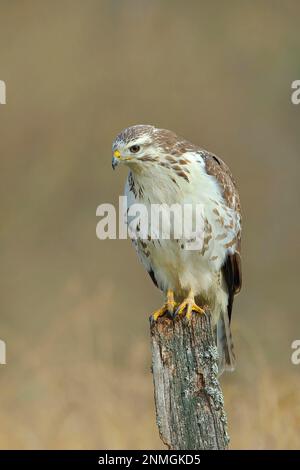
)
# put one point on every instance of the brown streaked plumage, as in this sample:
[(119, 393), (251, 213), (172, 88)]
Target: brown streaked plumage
[(167, 169)]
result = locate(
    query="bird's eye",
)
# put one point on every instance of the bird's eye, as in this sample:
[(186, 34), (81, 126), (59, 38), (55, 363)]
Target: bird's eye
[(134, 148)]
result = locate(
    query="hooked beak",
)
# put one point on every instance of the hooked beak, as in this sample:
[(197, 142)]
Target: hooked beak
[(118, 158)]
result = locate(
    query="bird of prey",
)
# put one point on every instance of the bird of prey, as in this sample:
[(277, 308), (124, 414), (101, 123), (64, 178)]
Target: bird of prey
[(167, 169)]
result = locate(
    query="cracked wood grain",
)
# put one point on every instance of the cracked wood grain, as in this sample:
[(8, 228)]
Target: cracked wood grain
[(188, 398)]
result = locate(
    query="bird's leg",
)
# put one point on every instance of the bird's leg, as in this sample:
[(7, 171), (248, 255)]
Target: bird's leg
[(168, 306), (189, 305), (170, 301)]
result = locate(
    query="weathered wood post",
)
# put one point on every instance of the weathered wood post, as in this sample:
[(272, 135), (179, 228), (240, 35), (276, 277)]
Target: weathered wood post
[(189, 402)]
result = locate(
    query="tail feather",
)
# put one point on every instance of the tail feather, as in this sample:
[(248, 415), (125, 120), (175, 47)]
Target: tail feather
[(224, 344)]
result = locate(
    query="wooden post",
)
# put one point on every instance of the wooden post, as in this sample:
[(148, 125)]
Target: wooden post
[(189, 402)]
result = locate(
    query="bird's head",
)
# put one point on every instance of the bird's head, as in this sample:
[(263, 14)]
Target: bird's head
[(132, 145), (141, 145)]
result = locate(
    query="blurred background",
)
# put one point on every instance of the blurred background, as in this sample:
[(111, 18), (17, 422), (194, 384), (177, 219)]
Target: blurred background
[(74, 309)]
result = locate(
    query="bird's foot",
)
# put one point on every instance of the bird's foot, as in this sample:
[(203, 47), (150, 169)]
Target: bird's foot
[(189, 306), (159, 313), (168, 307)]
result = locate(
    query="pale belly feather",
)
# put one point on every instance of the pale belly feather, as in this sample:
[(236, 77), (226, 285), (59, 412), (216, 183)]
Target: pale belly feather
[(175, 267)]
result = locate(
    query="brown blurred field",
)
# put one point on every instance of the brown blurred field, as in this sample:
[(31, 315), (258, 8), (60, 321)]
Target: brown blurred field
[(74, 310)]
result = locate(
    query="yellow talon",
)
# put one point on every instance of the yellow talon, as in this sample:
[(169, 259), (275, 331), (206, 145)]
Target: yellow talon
[(160, 312), (193, 308), (181, 308), (190, 306), (169, 306), (187, 305)]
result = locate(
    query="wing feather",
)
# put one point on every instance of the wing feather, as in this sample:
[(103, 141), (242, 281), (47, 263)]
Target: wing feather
[(232, 267)]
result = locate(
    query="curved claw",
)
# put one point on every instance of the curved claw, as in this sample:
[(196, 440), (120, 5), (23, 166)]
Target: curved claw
[(159, 313), (190, 307), (168, 307), (194, 308)]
